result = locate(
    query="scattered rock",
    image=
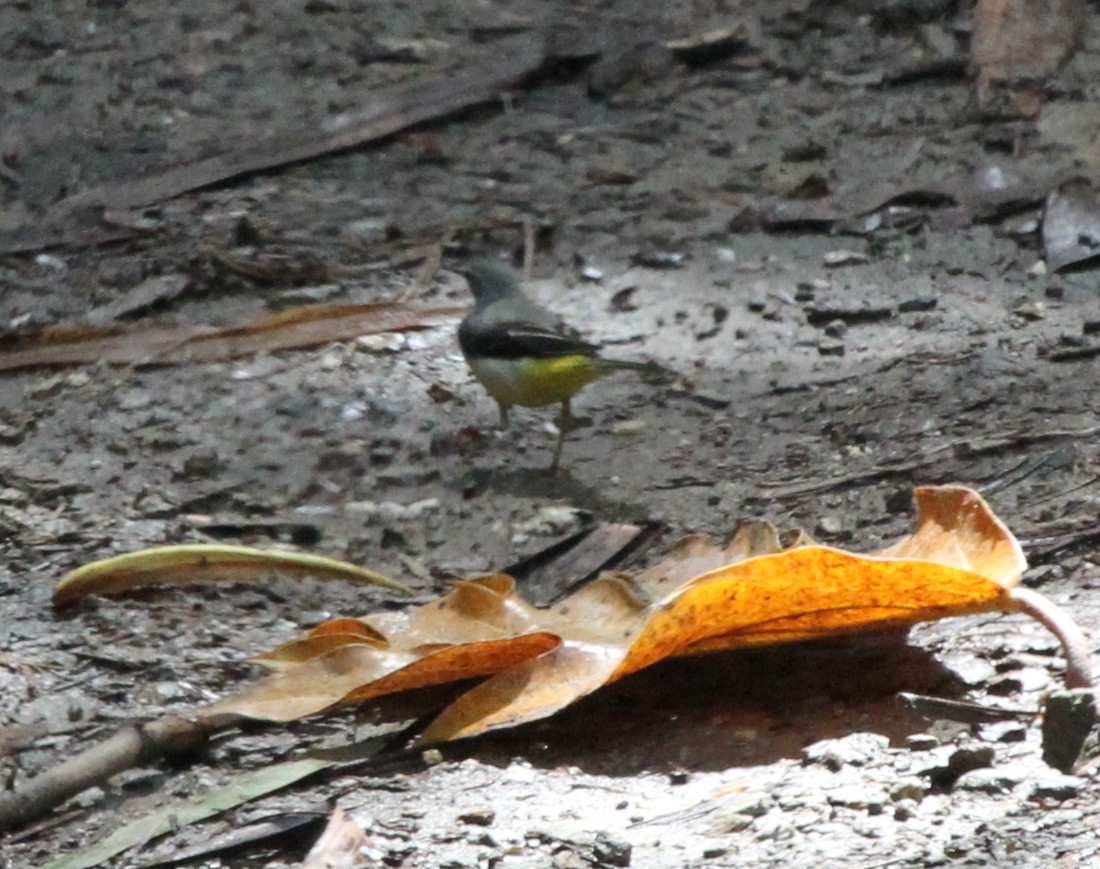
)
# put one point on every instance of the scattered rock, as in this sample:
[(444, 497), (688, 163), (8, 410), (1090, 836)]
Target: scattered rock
[(828, 314), (345, 456), (1000, 780), (907, 789), (201, 464), (638, 65), (1070, 728), (48, 387), (385, 342), (367, 230), (713, 400), (659, 259), (969, 668), (836, 258), (610, 851), (1056, 786), (918, 305), (856, 749), (311, 295), (549, 521), (963, 760), (478, 817), (390, 511), (1032, 311), (1071, 225), (10, 435), (440, 394), (408, 475), (867, 798), (623, 300)]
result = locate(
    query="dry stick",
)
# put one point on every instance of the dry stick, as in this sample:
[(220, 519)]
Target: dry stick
[(382, 115), (132, 746), (528, 248), (403, 106), (791, 489)]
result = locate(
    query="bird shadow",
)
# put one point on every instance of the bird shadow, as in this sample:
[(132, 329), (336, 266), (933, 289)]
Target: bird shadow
[(534, 483)]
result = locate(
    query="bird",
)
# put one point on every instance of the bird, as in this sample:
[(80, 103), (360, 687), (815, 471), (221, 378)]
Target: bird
[(525, 355)]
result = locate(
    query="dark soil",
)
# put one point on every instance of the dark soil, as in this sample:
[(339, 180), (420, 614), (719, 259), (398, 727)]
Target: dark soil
[(816, 390)]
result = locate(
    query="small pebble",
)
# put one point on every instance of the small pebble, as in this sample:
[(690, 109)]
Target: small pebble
[(988, 781), (1056, 786), (835, 258), (963, 760), (611, 851), (478, 817), (856, 749), (921, 741), (908, 789)]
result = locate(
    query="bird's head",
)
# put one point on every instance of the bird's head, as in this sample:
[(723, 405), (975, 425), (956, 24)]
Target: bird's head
[(490, 281)]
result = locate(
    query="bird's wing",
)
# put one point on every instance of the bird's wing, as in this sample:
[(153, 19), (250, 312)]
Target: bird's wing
[(515, 340)]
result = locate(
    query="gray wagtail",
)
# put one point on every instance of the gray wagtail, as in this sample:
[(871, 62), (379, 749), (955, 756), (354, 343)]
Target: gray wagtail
[(523, 354)]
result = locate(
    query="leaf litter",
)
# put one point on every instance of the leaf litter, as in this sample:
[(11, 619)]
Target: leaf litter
[(702, 597), (293, 328)]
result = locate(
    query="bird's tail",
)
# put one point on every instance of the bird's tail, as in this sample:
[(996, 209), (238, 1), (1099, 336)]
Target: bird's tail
[(650, 372)]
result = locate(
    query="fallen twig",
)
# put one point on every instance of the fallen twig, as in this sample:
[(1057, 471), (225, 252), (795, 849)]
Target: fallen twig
[(969, 448), (133, 745), (381, 115), (441, 94)]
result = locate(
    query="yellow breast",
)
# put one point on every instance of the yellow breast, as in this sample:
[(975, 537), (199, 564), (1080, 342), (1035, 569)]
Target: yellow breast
[(534, 382)]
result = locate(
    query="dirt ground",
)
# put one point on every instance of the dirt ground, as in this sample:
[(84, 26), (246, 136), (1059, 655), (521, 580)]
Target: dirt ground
[(866, 337)]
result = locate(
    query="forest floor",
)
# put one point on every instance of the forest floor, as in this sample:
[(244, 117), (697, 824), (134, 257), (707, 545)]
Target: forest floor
[(823, 231)]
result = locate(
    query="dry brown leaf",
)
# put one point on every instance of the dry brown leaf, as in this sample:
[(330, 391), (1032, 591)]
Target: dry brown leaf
[(703, 597), (294, 328)]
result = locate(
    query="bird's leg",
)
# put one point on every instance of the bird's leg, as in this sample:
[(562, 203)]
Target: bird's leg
[(503, 415), (563, 427)]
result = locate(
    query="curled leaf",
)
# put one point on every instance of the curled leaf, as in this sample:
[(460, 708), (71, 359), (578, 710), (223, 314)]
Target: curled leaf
[(703, 597), (190, 563)]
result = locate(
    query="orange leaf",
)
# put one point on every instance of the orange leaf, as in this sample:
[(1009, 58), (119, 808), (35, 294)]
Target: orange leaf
[(800, 594), (702, 597), (356, 673)]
